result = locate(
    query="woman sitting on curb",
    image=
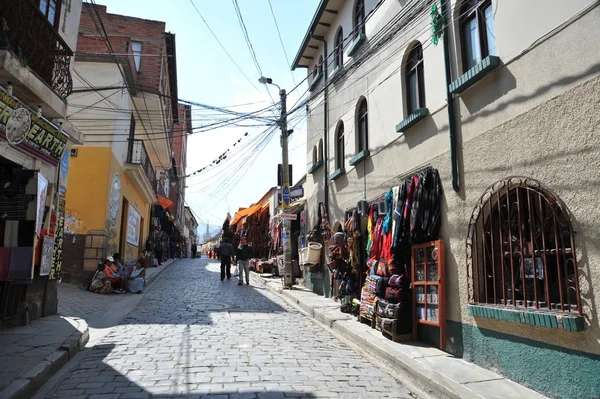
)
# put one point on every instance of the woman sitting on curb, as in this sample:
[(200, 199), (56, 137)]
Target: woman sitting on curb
[(137, 278)]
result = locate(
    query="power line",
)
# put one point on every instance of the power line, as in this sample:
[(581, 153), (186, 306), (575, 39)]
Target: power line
[(222, 46), (287, 59)]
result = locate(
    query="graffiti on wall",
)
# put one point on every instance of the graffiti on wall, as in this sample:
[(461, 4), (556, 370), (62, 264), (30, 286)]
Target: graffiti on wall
[(73, 225)]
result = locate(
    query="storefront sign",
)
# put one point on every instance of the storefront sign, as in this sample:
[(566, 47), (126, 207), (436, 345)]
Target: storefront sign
[(31, 134), (133, 227), (296, 192), (57, 254), (46, 258), (42, 192), (64, 172)]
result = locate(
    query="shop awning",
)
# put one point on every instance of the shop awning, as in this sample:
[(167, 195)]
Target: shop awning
[(164, 202), (241, 214)]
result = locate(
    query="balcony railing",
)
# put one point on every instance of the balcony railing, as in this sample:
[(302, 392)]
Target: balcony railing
[(26, 32), (137, 155)]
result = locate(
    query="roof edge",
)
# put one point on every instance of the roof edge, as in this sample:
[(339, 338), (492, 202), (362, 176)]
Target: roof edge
[(308, 36)]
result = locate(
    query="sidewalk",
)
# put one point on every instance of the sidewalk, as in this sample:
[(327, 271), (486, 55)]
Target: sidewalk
[(30, 355), (434, 371)]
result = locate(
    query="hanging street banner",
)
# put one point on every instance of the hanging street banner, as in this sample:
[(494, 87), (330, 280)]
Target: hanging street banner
[(29, 133)]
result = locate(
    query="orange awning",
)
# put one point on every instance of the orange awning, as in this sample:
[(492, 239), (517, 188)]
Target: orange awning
[(239, 215), (164, 202)]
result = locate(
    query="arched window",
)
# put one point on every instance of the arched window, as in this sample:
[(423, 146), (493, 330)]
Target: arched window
[(521, 249), (339, 146), (478, 38), (314, 155), (321, 150), (315, 71), (362, 126), (415, 81), (320, 64), (339, 48), (359, 18)]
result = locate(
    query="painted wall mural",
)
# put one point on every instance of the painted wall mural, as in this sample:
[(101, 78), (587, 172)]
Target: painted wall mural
[(73, 225), (114, 204)]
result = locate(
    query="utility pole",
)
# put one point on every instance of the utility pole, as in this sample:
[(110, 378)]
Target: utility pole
[(285, 194), (288, 281)]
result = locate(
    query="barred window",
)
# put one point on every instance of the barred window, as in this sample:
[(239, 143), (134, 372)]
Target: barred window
[(521, 249)]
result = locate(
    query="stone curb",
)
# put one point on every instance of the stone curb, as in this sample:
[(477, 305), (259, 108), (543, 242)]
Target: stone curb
[(28, 383), (159, 273), (424, 378)]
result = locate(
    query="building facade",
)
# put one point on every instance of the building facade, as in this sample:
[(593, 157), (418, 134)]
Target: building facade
[(190, 231), (36, 53), (507, 112), (126, 102)]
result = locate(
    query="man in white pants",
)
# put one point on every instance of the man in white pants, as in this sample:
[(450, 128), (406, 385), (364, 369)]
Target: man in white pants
[(243, 255)]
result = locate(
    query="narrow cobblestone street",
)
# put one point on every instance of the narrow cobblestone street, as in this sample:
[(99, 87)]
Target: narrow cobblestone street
[(193, 336)]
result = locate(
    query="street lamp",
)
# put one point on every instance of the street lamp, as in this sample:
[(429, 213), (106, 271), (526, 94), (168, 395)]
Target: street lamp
[(285, 185)]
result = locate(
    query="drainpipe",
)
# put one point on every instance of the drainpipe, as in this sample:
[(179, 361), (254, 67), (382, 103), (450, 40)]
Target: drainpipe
[(325, 120), (450, 101)]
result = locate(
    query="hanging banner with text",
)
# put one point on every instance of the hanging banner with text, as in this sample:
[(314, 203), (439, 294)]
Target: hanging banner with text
[(29, 133)]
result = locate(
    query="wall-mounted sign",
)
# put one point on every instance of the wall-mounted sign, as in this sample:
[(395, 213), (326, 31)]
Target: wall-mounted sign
[(30, 133), (42, 193), (46, 258), (114, 199), (64, 172), (133, 227)]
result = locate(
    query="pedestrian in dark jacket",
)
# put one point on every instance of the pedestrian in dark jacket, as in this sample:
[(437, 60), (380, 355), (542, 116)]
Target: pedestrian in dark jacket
[(243, 255), (226, 252)]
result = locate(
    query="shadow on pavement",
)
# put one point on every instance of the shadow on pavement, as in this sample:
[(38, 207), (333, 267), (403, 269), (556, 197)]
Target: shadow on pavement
[(97, 374)]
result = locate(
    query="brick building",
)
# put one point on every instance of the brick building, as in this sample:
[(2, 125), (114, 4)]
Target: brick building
[(130, 123)]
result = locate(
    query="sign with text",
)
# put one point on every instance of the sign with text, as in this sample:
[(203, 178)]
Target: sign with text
[(285, 197), (133, 227), (30, 133), (288, 216), (295, 193)]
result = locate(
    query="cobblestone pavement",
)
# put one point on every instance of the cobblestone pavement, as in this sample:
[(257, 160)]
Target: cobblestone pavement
[(193, 336)]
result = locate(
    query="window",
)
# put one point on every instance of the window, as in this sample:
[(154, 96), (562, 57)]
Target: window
[(136, 49), (339, 48), (415, 85), (362, 126), (517, 224), (314, 155), (359, 17), (315, 71), (339, 146), (478, 39), (321, 150), (51, 10), (320, 64)]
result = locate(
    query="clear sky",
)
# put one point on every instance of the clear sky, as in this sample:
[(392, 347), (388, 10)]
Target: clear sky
[(206, 75)]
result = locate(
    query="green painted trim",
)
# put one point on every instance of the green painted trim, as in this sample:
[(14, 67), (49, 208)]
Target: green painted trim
[(337, 174), (315, 81), (359, 157), (474, 74), (542, 319), (412, 119), (529, 362), (337, 70), (355, 45), (315, 167)]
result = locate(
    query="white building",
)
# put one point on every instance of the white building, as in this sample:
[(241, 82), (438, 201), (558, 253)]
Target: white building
[(514, 94)]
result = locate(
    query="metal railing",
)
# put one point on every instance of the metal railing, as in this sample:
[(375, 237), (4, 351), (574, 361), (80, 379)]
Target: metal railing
[(27, 33), (521, 249), (137, 155)]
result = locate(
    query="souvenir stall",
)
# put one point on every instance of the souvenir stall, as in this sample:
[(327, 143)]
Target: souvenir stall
[(402, 227)]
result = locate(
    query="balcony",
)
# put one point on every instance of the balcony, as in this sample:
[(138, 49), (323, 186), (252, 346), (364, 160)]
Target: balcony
[(30, 48), (139, 169)]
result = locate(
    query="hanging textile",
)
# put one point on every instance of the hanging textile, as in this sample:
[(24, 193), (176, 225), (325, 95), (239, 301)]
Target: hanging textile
[(370, 230), (387, 221)]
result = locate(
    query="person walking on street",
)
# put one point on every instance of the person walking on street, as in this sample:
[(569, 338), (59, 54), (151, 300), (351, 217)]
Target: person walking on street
[(243, 255), (158, 251), (226, 252)]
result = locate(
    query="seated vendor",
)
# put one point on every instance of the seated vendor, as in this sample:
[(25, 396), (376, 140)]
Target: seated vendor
[(111, 271), (137, 277)]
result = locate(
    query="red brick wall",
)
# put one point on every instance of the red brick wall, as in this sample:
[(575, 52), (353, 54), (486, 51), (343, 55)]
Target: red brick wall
[(120, 29)]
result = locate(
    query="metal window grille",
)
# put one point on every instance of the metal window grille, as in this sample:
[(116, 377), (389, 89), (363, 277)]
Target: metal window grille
[(521, 249)]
